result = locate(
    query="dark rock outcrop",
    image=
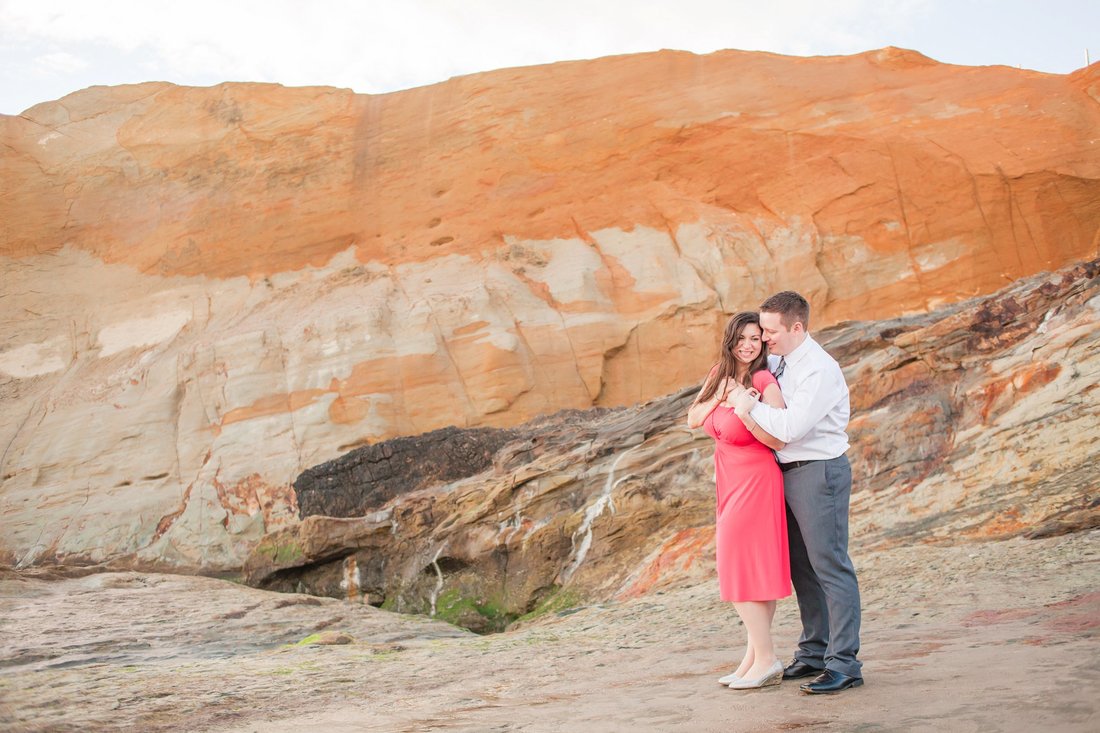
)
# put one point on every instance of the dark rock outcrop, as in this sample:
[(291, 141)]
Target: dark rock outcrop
[(359, 482)]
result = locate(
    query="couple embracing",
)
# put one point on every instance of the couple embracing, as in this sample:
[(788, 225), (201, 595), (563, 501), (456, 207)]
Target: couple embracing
[(783, 485)]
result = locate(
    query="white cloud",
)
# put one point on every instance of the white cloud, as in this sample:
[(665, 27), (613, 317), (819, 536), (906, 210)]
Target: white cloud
[(376, 46), (59, 62)]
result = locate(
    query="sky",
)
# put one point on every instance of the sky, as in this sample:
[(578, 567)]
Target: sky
[(50, 48)]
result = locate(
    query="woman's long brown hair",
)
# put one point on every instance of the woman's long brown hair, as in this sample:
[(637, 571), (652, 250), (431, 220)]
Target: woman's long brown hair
[(727, 364)]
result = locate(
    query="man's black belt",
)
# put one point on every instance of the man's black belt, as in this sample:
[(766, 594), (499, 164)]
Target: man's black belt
[(784, 467)]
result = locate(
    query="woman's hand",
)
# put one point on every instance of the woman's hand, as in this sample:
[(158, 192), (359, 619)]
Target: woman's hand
[(730, 389)]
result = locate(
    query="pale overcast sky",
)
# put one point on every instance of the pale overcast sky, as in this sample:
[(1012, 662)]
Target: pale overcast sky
[(49, 48)]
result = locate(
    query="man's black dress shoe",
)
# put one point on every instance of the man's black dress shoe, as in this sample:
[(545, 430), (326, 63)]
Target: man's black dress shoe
[(797, 670), (830, 682)]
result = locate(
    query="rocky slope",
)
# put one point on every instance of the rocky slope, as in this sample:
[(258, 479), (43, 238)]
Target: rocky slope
[(207, 291), (978, 421)]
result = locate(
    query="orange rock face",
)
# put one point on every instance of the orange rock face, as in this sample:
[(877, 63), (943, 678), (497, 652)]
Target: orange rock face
[(208, 290), (957, 178)]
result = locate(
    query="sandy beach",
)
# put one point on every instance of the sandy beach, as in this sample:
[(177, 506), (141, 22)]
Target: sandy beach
[(976, 637)]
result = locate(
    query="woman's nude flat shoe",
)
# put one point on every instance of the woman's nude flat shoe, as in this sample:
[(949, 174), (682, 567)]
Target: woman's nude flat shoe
[(773, 676), (731, 677)]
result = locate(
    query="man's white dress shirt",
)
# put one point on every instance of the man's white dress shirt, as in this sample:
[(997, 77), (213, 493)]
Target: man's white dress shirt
[(813, 423)]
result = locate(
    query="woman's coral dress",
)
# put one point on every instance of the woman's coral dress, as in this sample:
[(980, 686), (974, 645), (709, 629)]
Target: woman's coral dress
[(753, 561)]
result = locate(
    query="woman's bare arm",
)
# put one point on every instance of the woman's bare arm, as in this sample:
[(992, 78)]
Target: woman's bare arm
[(697, 413)]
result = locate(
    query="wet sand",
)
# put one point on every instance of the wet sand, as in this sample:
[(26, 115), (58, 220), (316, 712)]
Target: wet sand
[(979, 637)]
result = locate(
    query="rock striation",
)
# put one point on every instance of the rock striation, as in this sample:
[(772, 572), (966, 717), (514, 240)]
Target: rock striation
[(979, 421), (208, 291)]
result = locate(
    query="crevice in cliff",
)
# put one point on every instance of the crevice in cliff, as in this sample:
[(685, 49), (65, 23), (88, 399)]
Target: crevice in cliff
[(532, 355), (34, 408), (701, 273), (30, 557), (914, 266), (576, 361), (841, 197), (55, 545), (26, 156), (70, 120), (1014, 213), (470, 410), (177, 409), (817, 243), (608, 356), (290, 412), (609, 267), (975, 192), (169, 519)]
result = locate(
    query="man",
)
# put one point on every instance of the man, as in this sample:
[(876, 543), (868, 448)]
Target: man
[(817, 481)]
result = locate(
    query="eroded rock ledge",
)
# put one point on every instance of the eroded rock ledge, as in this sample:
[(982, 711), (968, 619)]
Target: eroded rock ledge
[(975, 422)]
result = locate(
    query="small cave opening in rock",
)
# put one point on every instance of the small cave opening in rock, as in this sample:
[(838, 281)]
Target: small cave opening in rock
[(446, 589), (445, 565)]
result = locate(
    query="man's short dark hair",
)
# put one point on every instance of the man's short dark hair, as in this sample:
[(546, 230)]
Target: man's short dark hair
[(791, 307)]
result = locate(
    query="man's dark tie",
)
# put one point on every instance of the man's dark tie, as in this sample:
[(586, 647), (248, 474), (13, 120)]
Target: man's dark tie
[(779, 369)]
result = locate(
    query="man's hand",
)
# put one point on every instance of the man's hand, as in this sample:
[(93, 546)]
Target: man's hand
[(745, 401)]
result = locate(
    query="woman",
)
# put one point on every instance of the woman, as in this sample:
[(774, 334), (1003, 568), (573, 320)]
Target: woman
[(751, 536)]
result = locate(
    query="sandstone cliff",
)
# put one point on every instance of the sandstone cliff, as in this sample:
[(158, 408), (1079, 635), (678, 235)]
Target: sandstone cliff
[(206, 291)]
